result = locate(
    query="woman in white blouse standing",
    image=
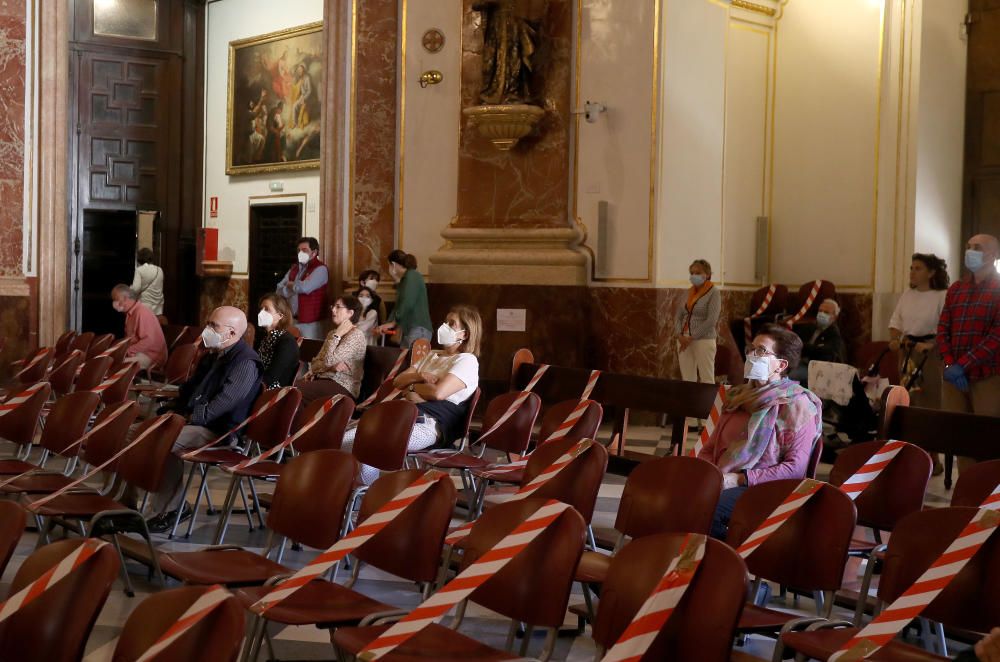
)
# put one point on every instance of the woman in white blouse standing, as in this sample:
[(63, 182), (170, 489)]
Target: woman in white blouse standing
[(148, 281), (913, 326)]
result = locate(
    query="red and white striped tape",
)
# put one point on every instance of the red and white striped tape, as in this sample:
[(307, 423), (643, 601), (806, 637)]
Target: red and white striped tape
[(536, 484), (362, 534), (658, 607), (393, 394), (111, 380), (813, 293), (40, 356), (711, 421), (748, 321), (13, 403), (516, 404), (34, 505), (193, 454), (323, 411), (459, 588), (199, 609), (66, 361), (798, 498), (108, 420), (114, 348), (864, 476), (915, 599), (50, 577)]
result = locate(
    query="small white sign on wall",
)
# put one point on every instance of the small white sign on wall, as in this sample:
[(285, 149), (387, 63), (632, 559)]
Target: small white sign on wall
[(512, 319)]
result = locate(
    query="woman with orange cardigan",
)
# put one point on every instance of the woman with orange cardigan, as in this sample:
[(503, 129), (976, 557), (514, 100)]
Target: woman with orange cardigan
[(696, 324)]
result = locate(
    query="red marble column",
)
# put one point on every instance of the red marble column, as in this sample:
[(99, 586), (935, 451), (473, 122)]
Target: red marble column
[(12, 75)]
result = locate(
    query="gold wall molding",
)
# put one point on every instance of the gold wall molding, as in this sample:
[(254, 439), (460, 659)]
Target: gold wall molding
[(510, 256), (754, 7)]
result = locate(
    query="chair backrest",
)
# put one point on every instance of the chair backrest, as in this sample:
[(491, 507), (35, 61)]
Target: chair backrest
[(37, 372), (62, 343), (171, 332), (377, 364), (669, 495), (969, 601), (515, 433), (534, 586), (975, 483), (585, 427), (216, 638), (64, 374), (18, 426), (118, 356), (179, 363), (12, 521), (807, 552), (108, 440), (271, 427), (471, 405), (328, 433), (703, 623), (578, 483), (875, 350), (55, 626), (310, 348), (189, 336), (778, 302), (383, 433), (827, 290), (895, 493), (82, 341), (814, 458), (67, 421), (143, 466), (93, 372), (409, 546), (100, 344), (118, 391), (311, 497)]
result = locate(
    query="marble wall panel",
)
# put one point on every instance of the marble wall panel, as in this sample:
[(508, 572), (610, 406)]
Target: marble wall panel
[(374, 145), (15, 313), (217, 292), (527, 186), (12, 76)]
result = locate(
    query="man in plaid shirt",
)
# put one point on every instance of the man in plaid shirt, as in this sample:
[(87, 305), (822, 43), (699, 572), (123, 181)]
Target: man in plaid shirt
[(969, 334)]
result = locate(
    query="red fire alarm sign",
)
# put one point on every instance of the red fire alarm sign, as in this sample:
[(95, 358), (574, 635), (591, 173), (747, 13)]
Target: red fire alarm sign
[(213, 207)]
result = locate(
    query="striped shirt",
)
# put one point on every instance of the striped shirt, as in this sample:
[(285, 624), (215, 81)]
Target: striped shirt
[(969, 329)]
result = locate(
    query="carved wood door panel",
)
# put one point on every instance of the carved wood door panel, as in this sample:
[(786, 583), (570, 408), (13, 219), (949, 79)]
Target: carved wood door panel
[(981, 204)]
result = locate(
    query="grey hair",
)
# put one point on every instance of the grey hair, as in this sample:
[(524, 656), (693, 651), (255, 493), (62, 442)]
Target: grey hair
[(121, 288), (836, 306)]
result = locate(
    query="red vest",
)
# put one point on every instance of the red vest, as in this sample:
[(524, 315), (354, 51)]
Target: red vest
[(312, 305)]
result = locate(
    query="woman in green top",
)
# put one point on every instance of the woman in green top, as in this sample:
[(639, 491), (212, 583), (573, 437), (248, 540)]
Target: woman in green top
[(411, 314)]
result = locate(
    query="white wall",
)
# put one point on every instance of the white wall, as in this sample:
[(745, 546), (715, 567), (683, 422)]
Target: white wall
[(229, 20)]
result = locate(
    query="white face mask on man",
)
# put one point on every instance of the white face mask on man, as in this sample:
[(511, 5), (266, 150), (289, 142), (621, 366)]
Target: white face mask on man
[(211, 338), (371, 284), (304, 257)]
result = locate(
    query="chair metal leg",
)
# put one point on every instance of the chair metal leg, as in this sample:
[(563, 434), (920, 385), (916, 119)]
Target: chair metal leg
[(511, 633), (589, 601), (180, 509), (121, 558), (866, 582), (250, 643), (526, 640), (549, 646), (591, 541), (246, 505), (227, 509), (941, 641), (202, 490), (256, 503)]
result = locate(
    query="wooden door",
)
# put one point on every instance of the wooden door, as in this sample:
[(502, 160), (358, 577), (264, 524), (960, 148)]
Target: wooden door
[(274, 229), (981, 200)]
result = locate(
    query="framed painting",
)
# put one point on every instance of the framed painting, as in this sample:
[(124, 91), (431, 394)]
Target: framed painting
[(275, 93)]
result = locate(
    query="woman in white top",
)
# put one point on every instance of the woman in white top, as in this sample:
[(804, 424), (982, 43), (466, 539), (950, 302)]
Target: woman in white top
[(914, 324), (148, 281), (441, 385), (369, 314)]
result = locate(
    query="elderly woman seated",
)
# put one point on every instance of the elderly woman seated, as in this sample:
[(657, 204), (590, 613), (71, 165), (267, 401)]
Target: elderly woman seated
[(441, 385), (337, 368), (768, 426)]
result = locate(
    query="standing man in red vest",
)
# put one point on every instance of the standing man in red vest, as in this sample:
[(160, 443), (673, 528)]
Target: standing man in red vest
[(304, 287)]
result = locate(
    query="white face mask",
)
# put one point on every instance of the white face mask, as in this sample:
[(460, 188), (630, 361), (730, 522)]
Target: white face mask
[(303, 257), (365, 301), (447, 336), (371, 284), (265, 319), (211, 338), (757, 368), (697, 280)]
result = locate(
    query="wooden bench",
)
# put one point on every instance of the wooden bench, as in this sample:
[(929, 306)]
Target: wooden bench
[(619, 394)]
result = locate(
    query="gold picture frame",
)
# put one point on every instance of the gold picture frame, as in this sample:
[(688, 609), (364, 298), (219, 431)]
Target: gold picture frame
[(275, 101)]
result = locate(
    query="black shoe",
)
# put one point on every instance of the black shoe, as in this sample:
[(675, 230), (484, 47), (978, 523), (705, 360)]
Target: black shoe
[(163, 523)]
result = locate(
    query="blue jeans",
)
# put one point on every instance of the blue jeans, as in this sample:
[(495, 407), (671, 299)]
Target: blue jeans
[(724, 510), (412, 334)]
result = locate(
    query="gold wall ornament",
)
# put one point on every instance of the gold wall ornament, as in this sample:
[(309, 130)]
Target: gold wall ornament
[(504, 124), (433, 40), (430, 77), (510, 43), (753, 6)]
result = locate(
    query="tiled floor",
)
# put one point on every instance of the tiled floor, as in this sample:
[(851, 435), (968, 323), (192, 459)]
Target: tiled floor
[(306, 643)]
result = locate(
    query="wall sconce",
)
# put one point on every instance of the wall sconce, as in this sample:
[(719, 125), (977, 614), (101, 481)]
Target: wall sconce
[(591, 111), (431, 77)]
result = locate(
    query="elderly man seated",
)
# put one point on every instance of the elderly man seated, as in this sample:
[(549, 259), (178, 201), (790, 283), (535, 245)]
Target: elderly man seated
[(820, 341), (146, 346), (218, 397)]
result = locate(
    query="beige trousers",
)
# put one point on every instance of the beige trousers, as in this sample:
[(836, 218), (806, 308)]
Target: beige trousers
[(983, 397), (697, 364)]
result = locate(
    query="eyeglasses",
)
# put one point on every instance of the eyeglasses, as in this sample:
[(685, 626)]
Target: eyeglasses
[(216, 326), (759, 352), (338, 306)]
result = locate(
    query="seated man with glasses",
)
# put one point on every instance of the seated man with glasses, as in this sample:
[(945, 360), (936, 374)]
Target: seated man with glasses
[(216, 399), (768, 426)]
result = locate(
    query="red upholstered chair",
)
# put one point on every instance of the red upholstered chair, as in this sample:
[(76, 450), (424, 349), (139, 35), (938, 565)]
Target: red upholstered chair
[(967, 603), (328, 433), (667, 495), (216, 638), (264, 432), (62, 343), (93, 372), (532, 588), (409, 547), (975, 483), (703, 623), (99, 345), (18, 426), (55, 626), (897, 492), (82, 341), (807, 553), (29, 374), (65, 424), (118, 391), (383, 433), (827, 290), (64, 373)]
